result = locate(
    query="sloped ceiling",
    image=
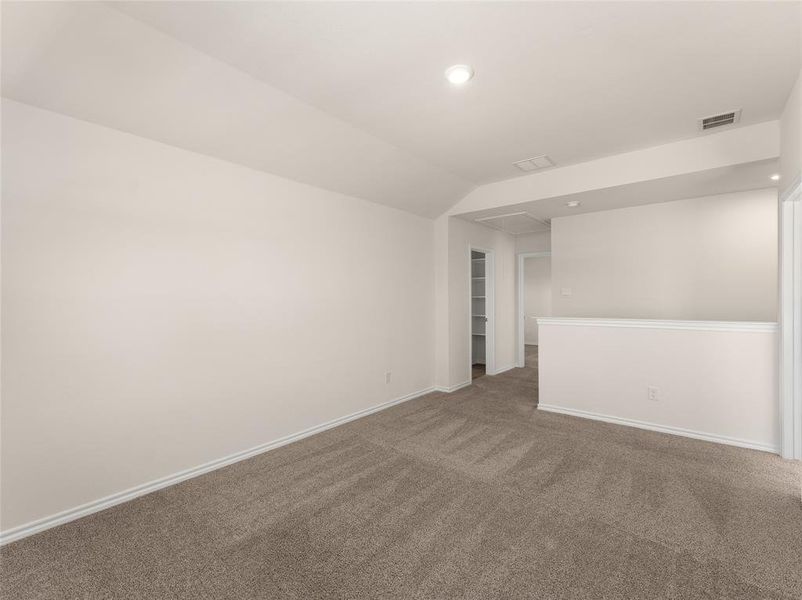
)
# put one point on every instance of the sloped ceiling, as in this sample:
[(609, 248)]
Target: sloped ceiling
[(350, 96), (89, 61)]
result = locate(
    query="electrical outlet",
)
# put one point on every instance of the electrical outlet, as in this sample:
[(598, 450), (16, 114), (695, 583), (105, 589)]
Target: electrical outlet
[(566, 291), (653, 393), (388, 376)]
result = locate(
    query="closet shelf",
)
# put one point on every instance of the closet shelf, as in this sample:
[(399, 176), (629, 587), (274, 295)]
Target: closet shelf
[(478, 296), (482, 277), (482, 334), (484, 316)]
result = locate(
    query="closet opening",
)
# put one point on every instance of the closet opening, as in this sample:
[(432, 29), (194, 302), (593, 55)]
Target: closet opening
[(481, 326)]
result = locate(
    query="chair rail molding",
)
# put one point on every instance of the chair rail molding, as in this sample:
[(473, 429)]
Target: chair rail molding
[(790, 367), (661, 324)]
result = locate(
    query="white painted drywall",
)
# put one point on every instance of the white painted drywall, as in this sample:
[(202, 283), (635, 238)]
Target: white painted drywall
[(162, 309), (791, 273), (710, 258), (442, 343), (713, 151), (533, 242), (461, 236), (720, 383), (791, 137), (537, 294)]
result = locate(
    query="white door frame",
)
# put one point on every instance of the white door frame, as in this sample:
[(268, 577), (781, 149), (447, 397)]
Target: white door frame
[(790, 367), (521, 309), (490, 309)]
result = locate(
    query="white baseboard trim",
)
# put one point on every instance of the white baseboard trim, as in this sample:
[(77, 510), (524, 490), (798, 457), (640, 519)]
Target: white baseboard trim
[(27, 529), (453, 388), (697, 435), (502, 370)]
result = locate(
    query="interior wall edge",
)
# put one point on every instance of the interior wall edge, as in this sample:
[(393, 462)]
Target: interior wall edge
[(452, 388)]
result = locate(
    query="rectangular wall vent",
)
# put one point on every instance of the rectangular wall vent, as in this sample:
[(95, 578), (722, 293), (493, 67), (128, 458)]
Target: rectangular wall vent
[(727, 118), (533, 164)]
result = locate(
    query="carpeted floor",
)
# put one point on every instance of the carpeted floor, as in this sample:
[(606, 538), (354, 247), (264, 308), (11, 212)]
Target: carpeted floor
[(475, 494)]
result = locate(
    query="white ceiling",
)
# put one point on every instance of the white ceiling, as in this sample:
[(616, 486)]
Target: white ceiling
[(574, 80), (350, 96), (742, 177)]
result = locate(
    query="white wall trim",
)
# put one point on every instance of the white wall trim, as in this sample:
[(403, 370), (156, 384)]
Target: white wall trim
[(521, 358), (452, 388), (793, 193), (27, 529), (790, 343), (501, 370), (662, 324), (689, 433)]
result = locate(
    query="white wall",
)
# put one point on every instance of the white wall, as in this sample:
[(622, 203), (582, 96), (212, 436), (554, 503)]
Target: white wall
[(721, 384), (533, 242), (791, 272), (711, 258), (461, 236), (537, 294), (442, 350), (791, 137), (162, 309)]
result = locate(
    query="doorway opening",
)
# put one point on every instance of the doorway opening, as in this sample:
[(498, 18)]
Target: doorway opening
[(481, 325), (534, 301)]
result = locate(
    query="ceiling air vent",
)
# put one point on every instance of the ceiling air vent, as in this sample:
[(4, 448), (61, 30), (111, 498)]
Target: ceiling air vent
[(727, 118), (533, 164)]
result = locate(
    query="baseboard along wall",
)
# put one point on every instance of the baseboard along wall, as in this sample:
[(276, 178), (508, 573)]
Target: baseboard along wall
[(452, 388), (28, 529), (689, 433)]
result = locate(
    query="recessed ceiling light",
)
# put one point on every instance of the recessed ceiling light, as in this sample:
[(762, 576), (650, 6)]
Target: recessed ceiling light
[(573, 203), (775, 177), (459, 74)]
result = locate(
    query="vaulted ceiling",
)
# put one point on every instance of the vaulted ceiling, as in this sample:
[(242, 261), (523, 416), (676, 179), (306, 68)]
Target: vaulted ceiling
[(350, 96)]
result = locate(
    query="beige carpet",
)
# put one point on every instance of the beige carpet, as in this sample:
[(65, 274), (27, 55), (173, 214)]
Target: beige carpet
[(475, 494)]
